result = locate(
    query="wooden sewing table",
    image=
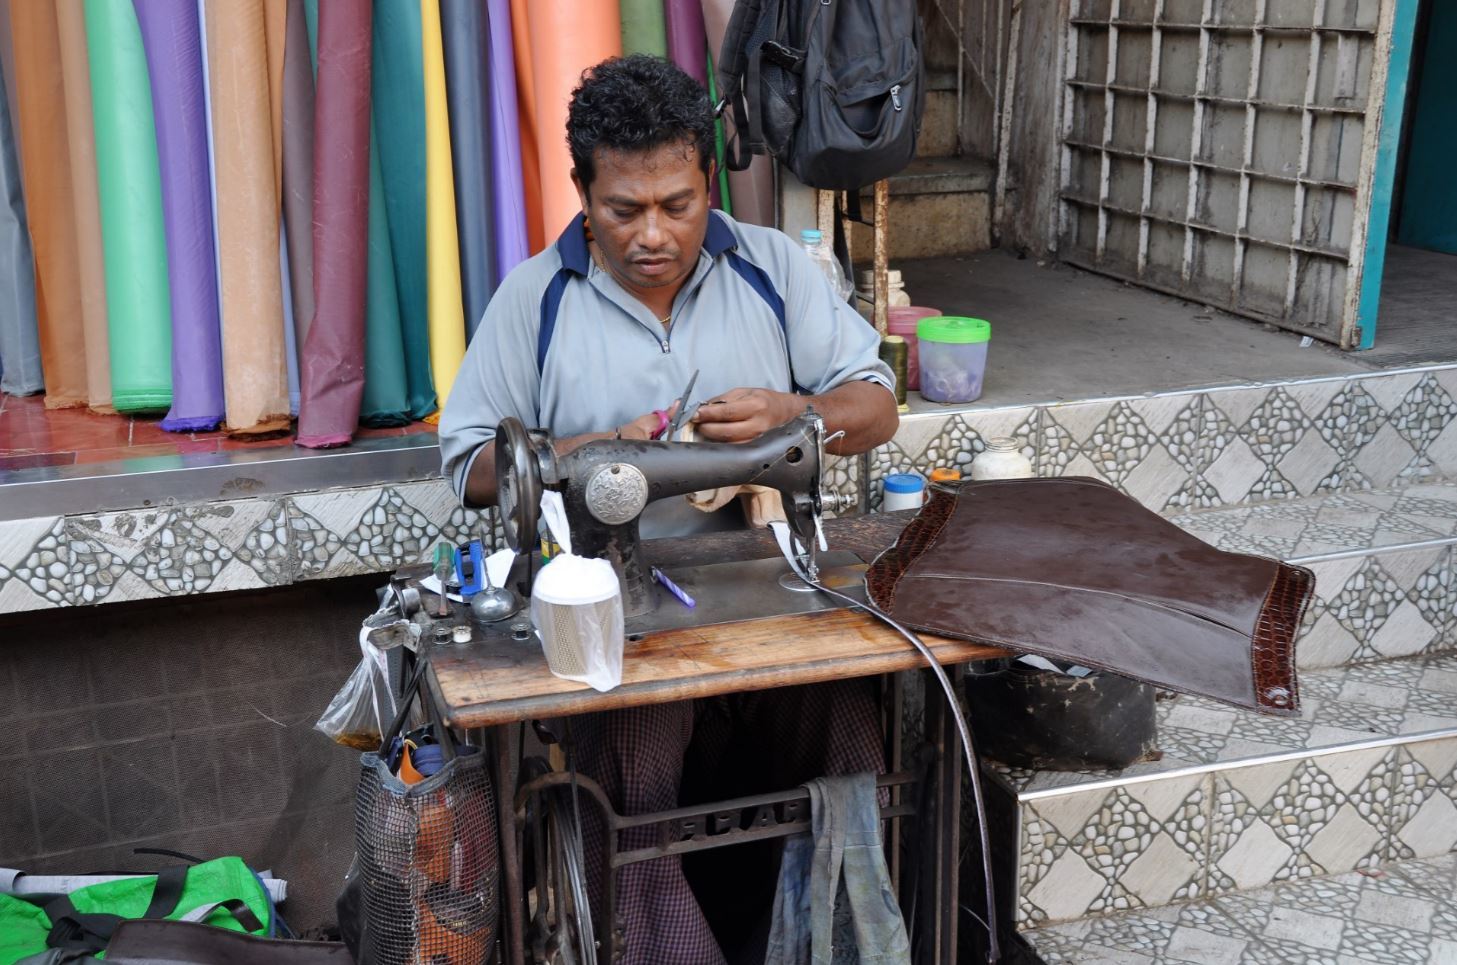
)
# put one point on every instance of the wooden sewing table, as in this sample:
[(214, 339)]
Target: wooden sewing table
[(493, 685)]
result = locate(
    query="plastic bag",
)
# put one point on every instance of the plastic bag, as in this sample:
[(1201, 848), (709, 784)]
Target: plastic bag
[(576, 604), (365, 705)]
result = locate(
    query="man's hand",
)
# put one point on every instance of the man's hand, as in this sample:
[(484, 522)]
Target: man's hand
[(742, 415)]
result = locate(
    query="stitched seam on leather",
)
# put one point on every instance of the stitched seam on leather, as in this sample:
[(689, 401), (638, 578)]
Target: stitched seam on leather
[(1021, 646), (1152, 604)]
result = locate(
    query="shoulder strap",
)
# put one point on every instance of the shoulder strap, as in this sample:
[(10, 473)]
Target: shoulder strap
[(74, 931)]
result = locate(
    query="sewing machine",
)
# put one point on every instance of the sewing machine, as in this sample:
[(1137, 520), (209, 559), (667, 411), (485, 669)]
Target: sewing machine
[(606, 485)]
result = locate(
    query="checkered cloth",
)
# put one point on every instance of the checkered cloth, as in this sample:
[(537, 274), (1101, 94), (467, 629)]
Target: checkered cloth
[(638, 754)]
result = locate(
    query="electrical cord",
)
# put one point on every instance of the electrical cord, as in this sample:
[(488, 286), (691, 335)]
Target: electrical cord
[(963, 729)]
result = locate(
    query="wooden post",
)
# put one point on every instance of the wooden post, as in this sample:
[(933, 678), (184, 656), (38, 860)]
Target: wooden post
[(882, 255)]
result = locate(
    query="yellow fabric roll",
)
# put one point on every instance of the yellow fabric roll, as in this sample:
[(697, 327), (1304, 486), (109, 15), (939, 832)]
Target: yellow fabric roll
[(442, 250), (255, 382), (81, 138)]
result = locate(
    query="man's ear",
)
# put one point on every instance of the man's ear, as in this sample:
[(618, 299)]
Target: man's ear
[(581, 190)]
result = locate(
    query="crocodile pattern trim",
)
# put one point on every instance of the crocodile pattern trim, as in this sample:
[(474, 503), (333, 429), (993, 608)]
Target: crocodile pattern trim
[(1272, 649), (885, 573)]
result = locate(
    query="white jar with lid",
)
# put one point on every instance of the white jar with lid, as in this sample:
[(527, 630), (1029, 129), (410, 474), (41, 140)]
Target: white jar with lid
[(1002, 459)]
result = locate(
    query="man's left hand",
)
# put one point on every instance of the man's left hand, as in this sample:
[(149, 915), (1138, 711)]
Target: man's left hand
[(742, 415)]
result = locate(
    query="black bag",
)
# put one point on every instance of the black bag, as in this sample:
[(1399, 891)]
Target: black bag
[(833, 88)]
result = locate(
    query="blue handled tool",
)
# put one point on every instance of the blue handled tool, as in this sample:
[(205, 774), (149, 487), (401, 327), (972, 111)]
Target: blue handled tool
[(470, 567)]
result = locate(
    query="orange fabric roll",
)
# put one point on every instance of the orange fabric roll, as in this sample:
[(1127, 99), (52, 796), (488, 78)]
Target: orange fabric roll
[(81, 137), (275, 29), (50, 203), (255, 381), (526, 111), (567, 37)]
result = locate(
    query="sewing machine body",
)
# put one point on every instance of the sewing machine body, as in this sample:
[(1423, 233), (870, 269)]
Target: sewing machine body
[(606, 485)]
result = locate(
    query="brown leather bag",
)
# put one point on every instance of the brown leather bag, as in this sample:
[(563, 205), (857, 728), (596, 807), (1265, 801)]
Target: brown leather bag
[(1070, 568)]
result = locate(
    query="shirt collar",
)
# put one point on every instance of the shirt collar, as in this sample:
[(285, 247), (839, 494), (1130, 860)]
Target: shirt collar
[(572, 248)]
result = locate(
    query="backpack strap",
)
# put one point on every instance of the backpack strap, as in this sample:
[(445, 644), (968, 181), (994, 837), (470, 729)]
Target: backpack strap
[(72, 930)]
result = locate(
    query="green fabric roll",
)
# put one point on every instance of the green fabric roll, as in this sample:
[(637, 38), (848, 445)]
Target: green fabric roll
[(399, 118), (384, 347), (719, 152), (643, 28), (138, 305)]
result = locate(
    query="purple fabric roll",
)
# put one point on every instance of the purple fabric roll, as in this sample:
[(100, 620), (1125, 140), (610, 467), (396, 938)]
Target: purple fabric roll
[(687, 41), (331, 366), (173, 42), (510, 196)]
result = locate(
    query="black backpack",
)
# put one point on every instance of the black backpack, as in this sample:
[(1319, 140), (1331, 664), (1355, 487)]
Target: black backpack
[(833, 88)]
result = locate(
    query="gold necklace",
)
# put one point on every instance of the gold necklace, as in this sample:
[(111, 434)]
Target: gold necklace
[(601, 261)]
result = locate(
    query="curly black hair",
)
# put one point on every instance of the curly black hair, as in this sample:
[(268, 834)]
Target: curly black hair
[(637, 103)]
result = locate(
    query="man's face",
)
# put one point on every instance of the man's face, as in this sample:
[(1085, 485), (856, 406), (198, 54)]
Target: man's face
[(648, 211)]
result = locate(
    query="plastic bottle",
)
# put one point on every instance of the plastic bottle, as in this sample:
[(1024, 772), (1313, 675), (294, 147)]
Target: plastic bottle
[(825, 261), (903, 490), (1002, 459)]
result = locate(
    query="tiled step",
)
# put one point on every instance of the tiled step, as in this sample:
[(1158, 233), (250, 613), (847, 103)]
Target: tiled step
[(1402, 914), (1385, 564), (1367, 774)]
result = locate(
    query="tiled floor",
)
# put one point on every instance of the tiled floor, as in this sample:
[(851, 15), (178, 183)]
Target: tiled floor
[(1400, 914), (32, 436)]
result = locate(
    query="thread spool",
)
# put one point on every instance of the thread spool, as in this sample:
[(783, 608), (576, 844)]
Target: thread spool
[(895, 353)]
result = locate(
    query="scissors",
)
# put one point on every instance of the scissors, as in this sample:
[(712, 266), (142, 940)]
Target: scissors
[(684, 412)]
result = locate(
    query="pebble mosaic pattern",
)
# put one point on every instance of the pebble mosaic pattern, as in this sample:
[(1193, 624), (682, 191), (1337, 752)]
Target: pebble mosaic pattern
[(181, 557)]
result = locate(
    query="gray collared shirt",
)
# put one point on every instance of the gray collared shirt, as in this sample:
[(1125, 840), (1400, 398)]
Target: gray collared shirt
[(609, 360)]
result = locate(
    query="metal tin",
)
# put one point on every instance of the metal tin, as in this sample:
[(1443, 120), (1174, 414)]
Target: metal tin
[(895, 353)]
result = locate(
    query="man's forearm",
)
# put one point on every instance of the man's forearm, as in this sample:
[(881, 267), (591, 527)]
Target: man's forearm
[(864, 411)]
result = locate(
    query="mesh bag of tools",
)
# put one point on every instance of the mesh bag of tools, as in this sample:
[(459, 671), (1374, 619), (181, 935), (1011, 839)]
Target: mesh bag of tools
[(425, 881)]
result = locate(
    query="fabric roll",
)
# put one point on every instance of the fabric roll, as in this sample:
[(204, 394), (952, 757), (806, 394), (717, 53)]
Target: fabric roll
[(442, 243), (90, 258), (291, 347), (399, 113), (172, 38), (331, 367), (298, 168), (386, 393), (643, 29), (7, 63), (50, 205), (506, 178), (275, 35), (254, 357), (526, 124), (138, 303), (752, 190), (20, 369), (686, 37), (566, 39), (465, 39), (720, 169)]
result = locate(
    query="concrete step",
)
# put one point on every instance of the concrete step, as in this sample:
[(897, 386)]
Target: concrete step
[(938, 122), (1398, 913), (938, 206)]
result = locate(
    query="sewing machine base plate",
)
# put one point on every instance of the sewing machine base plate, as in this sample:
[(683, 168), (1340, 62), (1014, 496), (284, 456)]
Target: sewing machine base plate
[(747, 590)]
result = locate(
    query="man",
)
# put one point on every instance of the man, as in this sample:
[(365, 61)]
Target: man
[(594, 338)]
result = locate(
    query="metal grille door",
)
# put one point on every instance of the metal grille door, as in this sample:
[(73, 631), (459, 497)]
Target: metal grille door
[(1221, 150)]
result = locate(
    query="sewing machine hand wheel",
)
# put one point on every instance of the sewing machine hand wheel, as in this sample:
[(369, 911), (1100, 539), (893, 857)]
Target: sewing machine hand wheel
[(518, 485)]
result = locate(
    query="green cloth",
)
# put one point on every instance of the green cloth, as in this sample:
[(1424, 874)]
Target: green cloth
[(134, 244), (644, 31), (719, 151), (24, 927), (399, 117), (385, 384)]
